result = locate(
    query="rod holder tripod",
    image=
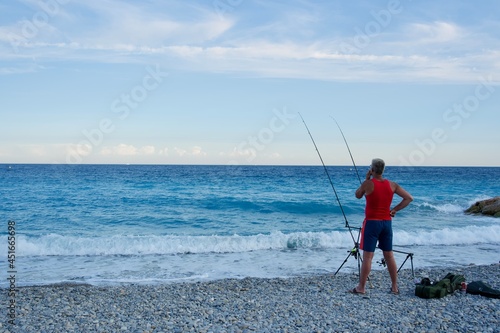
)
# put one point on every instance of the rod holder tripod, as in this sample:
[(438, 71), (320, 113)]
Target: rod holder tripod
[(354, 252), (409, 255)]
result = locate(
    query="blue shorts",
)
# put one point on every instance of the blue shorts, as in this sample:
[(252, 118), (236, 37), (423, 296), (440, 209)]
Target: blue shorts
[(374, 231)]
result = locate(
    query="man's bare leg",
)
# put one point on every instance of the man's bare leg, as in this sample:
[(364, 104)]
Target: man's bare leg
[(392, 268), (366, 267)]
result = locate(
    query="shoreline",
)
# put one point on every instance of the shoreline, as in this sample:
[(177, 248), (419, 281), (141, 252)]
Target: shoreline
[(318, 303)]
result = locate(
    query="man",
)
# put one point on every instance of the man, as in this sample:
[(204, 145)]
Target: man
[(377, 225)]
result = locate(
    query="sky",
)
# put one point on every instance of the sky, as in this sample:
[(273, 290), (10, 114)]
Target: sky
[(415, 82)]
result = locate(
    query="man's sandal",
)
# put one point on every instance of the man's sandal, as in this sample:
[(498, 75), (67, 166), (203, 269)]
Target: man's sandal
[(355, 292)]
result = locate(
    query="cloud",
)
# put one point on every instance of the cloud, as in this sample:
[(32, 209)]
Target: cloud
[(35, 150), (78, 149), (163, 152), (195, 151), (295, 42), (21, 69), (436, 32), (86, 153), (112, 26), (237, 152), (43, 153), (147, 150), (275, 156), (152, 26), (127, 150)]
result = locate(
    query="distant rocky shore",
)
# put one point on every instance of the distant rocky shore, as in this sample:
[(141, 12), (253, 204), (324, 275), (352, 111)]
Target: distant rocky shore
[(489, 207)]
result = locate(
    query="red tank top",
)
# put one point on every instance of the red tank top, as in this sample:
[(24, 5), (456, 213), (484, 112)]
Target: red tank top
[(378, 203)]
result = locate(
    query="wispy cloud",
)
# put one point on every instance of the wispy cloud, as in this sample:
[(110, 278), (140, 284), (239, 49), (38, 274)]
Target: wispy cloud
[(195, 151), (296, 43), (127, 150), (436, 32), (131, 24)]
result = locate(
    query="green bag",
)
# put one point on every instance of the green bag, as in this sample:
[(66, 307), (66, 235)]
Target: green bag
[(439, 289), (456, 281)]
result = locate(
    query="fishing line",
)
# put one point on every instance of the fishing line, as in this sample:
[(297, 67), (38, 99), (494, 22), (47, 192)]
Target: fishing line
[(352, 159), (327, 173)]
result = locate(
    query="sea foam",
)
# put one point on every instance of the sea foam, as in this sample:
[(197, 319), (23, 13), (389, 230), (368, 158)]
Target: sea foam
[(61, 245)]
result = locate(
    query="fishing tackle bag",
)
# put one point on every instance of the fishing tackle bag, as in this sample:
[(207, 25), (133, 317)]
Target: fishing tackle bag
[(439, 289)]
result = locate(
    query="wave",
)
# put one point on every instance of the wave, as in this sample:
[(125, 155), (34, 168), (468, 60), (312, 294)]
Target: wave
[(447, 208), (457, 236), (61, 245), (56, 245)]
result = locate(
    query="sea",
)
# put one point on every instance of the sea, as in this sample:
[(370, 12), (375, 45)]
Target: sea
[(154, 224)]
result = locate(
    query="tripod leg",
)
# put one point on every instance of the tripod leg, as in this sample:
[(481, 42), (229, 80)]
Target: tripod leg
[(403, 263), (360, 260), (411, 261), (354, 252), (350, 253), (410, 256)]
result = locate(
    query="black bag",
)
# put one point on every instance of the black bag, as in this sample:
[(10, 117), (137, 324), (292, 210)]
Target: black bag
[(483, 289)]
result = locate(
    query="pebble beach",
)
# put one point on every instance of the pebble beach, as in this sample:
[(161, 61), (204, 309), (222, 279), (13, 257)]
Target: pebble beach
[(317, 303)]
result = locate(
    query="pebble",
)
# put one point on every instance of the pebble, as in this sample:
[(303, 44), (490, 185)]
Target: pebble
[(317, 303)]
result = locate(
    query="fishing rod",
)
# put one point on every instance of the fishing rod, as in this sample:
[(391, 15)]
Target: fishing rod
[(352, 159), (354, 252), (327, 173)]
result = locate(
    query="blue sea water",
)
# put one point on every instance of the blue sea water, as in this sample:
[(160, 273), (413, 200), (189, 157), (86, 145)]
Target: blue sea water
[(115, 224)]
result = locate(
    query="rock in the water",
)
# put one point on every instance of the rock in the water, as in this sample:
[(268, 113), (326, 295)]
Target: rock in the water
[(486, 207)]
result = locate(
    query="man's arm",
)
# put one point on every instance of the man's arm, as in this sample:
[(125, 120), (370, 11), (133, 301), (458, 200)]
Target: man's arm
[(365, 186), (407, 198), (362, 189)]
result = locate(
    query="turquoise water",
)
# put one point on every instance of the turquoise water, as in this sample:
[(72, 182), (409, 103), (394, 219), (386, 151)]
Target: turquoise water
[(112, 224)]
